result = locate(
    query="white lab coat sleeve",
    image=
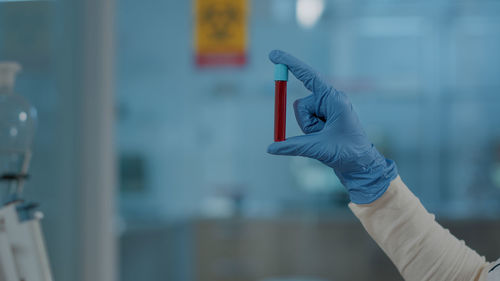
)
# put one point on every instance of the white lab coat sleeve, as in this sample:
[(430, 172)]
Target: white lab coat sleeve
[(421, 249), (494, 271)]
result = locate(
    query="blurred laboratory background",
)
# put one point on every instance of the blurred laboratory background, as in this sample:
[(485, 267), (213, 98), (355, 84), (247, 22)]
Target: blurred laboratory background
[(149, 159)]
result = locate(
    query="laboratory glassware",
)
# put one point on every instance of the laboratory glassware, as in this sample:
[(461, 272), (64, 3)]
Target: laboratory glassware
[(280, 88), (22, 248), (17, 128)]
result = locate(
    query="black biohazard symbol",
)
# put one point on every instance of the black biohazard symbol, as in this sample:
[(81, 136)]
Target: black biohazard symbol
[(220, 17)]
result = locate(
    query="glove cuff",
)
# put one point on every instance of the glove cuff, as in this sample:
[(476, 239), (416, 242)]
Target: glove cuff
[(371, 182)]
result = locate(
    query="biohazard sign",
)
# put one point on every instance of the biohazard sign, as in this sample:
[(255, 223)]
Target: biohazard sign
[(220, 32)]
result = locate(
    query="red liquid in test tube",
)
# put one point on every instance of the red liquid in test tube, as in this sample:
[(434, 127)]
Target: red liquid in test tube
[(280, 77), (279, 110)]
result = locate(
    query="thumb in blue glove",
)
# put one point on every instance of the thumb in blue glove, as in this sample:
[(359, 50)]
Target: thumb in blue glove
[(334, 136)]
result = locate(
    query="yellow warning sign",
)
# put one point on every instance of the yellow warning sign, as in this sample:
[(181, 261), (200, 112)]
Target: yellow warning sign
[(220, 32)]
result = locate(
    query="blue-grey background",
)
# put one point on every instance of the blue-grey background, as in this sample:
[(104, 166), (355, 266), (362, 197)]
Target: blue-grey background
[(190, 143)]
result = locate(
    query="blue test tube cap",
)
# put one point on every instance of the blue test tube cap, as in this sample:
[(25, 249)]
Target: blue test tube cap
[(280, 72)]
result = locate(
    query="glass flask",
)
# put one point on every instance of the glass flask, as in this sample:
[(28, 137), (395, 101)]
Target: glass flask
[(17, 128)]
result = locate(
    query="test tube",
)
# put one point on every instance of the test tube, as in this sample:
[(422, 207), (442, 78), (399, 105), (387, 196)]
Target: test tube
[(280, 81)]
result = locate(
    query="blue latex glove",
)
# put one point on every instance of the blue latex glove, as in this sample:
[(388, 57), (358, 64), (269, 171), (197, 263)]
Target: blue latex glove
[(334, 136)]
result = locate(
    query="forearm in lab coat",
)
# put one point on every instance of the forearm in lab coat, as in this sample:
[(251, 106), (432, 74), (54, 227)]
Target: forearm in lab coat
[(421, 249)]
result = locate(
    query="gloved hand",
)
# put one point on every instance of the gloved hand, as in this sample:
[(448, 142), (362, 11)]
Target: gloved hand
[(334, 136)]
